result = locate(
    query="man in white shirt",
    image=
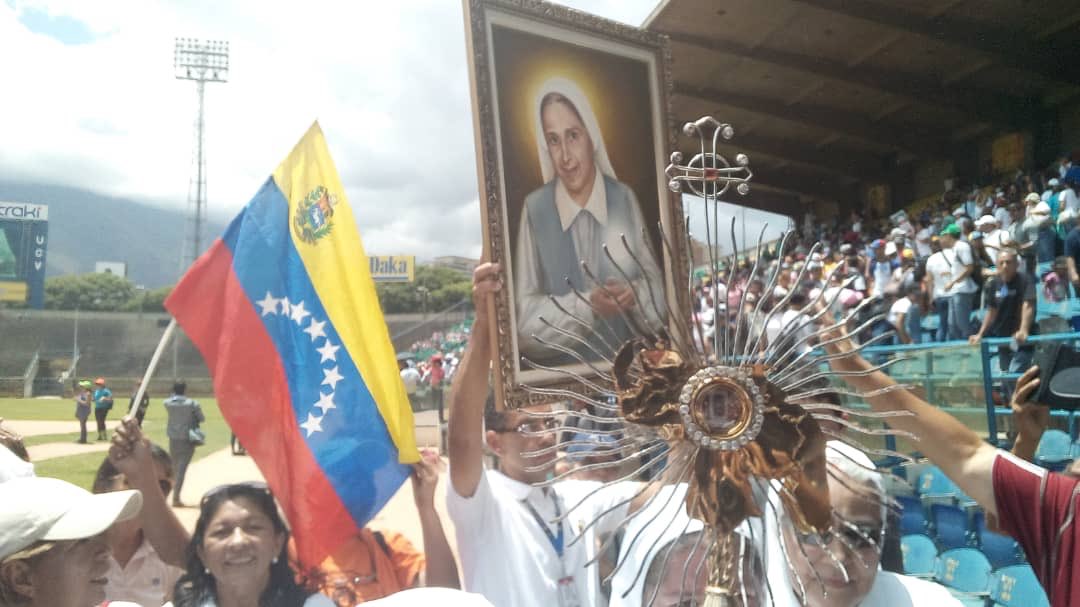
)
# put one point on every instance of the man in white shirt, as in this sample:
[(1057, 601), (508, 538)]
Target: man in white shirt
[(960, 287), (411, 378), (1068, 199), (922, 240), (938, 273), (993, 236), (861, 522), (519, 544)]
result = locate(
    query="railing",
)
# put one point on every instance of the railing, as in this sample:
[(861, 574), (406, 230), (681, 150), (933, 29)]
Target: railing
[(423, 329), (990, 347), (925, 369), (30, 374)]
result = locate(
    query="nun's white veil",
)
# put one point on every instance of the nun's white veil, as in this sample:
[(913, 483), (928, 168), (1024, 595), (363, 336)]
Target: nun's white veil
[(573, 94)]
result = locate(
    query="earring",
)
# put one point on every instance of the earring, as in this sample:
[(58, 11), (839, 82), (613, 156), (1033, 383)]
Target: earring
[(274, 560), (206, 570)]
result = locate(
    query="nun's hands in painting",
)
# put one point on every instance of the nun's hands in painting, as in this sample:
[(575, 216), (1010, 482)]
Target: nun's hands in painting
[(612, 298)]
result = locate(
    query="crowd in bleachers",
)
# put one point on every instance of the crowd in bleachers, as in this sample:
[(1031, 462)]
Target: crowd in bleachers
[(934, 271)]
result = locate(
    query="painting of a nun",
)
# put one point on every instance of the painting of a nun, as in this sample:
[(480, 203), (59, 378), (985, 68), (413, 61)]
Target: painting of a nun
[(566, 222)]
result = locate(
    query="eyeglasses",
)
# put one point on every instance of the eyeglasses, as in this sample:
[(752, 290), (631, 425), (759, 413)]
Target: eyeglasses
[(537, 425), (855, 536)]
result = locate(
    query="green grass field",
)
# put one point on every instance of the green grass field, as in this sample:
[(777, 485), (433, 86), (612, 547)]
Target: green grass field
[(80, 469)]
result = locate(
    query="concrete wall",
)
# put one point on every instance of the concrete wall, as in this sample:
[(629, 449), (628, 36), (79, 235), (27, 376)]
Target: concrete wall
[(119, 345), (1070, 128)]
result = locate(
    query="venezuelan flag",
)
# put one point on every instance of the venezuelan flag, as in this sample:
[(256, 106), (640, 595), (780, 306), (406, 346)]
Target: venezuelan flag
[(286, 316)]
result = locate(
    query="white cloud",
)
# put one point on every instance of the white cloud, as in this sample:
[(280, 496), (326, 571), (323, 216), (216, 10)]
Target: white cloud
[(387, 81)]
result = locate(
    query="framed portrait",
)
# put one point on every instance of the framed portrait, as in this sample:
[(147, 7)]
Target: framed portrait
[(573, 133)]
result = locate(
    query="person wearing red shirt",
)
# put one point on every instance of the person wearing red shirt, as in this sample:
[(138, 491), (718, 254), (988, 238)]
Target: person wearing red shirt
[(1033, 505), (436, 377)]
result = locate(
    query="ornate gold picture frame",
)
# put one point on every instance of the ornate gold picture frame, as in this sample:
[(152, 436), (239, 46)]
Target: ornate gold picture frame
[(573, 131)]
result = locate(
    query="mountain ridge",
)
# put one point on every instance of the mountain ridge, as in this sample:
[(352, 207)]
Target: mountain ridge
[(146, 237)]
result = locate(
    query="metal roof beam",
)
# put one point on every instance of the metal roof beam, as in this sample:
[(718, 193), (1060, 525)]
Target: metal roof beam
[(906, 137), (1009, 47), (811, 188), (854, 165), (994, 107)]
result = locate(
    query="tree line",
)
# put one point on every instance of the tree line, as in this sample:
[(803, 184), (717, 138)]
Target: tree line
[(435, 288)]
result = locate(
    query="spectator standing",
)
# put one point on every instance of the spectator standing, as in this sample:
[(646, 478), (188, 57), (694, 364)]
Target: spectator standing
[(1010, 312), (139, 412), (1067, 198), (922, 240), (905, 314), (83, 398), (411, 378), (880, 269), (103, 403), (960, 287), (436, 377), (994, 237), (185, 415)]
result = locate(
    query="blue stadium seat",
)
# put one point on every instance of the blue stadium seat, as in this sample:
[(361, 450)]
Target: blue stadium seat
[(912, 515), (950, 524), (1055, 450), (933, 481), (1000, 550), (1017, 586), (963, 569), (919, 552)]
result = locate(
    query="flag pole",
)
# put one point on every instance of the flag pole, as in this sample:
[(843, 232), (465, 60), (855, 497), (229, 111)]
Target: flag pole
[(165, 337)]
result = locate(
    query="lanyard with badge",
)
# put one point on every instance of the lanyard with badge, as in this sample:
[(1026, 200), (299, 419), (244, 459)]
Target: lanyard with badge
[(567, 590)]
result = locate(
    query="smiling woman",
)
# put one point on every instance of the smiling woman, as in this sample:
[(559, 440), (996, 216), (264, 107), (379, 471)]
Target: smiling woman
[(238, 550)]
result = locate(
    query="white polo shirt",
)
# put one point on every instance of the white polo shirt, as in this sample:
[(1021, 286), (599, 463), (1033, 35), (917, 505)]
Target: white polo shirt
[(509, 559)]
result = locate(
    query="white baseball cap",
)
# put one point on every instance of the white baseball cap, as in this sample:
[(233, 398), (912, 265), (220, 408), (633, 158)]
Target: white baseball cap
[(986, 219), (39, 509)]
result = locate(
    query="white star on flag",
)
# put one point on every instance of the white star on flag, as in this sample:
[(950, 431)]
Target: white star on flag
[(316, 329), (285, 306), (326, 402), (312, 425), (298, 313), (268, 304), (331, 377), (328, 351)]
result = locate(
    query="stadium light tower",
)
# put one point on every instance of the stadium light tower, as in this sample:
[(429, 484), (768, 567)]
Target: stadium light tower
[(201, 61)]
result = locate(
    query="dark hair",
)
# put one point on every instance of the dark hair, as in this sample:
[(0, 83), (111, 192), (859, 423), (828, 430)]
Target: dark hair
[(179, 387), (106, 472), (197, 585)]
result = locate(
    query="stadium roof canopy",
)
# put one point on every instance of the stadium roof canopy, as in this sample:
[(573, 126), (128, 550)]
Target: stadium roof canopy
[(830, 95)]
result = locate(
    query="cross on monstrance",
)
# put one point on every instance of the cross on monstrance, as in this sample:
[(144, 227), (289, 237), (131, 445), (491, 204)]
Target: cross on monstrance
[(709, 174)]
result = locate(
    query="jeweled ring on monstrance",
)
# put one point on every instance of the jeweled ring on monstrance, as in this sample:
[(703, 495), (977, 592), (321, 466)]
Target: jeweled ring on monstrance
[(721, 408)]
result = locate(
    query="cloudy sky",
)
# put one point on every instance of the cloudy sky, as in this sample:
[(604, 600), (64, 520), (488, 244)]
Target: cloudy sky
[(91, 101)]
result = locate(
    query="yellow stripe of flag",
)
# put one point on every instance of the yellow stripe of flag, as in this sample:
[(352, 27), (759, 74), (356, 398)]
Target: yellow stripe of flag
[(338, 269)]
